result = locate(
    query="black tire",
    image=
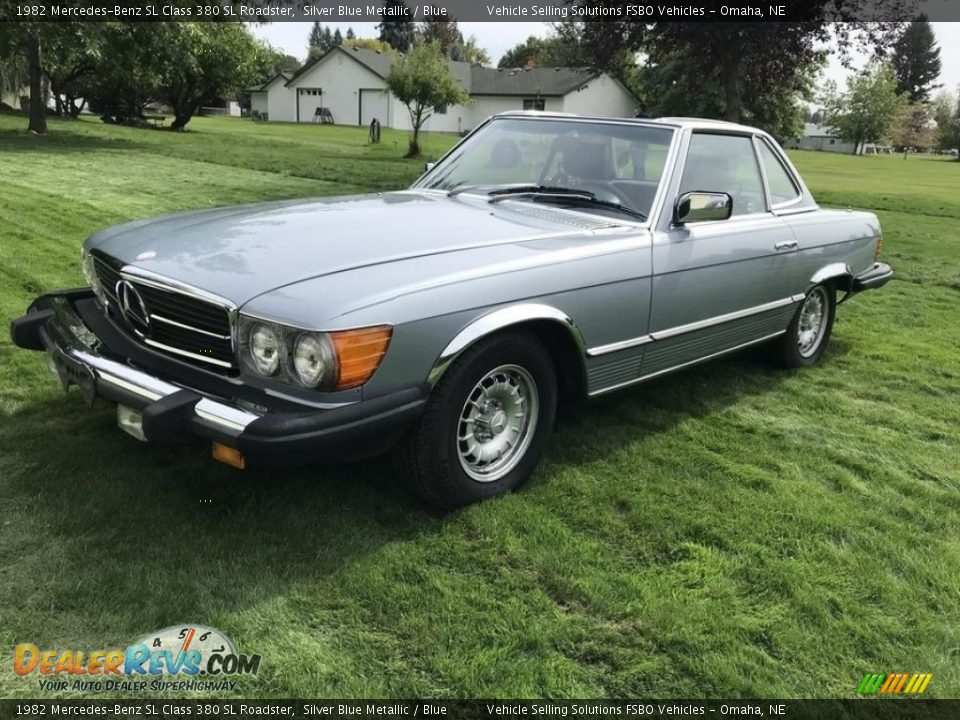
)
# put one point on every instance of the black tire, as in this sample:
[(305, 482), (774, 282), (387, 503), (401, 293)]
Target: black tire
[(429, 455), (788, 351)]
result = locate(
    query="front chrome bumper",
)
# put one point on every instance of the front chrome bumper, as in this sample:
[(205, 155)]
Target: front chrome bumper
[(75, 355), (174, 412)]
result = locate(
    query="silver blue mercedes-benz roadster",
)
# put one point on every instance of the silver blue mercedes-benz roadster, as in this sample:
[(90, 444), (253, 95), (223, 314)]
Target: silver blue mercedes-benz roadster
[(544, 259)]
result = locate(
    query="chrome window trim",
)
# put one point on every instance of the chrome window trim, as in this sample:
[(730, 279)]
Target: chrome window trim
[(695, 361), (693, 327)]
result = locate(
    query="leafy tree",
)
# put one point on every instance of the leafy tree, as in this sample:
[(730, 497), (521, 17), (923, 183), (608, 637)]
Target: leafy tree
[(472, 53), (395, 29), (913, 128), (70, 58), (422, 81), (943, 108), (368, 44), (866, 113), (752, 58), (680, 84), (127, 73), (201, 61), (554, 51), (916, 60)]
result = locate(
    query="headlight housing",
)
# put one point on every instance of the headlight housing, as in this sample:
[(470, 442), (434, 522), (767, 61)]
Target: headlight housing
[(338, 360)]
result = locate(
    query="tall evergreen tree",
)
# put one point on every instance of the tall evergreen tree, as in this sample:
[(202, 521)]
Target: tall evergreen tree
[(337, 37), (394, 26), (916, 60), (351, 35), (315, 39)]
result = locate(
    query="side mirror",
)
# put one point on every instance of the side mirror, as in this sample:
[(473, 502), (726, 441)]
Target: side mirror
[(699, 206), (428, 166)]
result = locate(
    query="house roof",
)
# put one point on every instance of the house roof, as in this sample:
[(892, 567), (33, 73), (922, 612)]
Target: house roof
[(475, 78), (532, 81), (262, 88)]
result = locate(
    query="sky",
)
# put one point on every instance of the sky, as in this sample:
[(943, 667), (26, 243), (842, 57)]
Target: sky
[(498, 37)]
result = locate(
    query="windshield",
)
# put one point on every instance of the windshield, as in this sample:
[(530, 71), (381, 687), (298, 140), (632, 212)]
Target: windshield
[(615, 164)]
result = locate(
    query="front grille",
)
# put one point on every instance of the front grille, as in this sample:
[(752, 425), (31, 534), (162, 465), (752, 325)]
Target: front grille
[(181, 324)]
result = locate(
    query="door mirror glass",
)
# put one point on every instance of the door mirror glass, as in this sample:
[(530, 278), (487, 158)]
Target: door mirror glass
[(701, 206)]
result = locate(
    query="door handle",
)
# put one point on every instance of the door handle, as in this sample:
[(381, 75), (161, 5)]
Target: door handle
[(785, 245)]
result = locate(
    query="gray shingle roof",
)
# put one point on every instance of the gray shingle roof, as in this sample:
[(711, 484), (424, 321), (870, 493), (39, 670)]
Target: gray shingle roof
[(535, 81), (479, 80)]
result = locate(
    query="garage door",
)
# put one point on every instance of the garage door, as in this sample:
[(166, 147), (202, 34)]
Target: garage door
[(373, 104)]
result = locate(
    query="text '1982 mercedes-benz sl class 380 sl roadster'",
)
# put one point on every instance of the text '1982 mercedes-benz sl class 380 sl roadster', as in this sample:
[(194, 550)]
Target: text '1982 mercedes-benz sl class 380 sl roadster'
[(545, 258)]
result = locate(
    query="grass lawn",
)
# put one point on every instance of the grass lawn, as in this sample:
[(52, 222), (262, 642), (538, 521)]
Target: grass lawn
[(732, 531)]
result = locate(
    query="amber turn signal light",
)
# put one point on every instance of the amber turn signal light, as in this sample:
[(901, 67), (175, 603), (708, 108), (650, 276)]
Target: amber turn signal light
[(229, 456), (359, 353)]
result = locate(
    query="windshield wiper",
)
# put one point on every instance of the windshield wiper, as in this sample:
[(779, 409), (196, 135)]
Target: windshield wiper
[(562, 194)]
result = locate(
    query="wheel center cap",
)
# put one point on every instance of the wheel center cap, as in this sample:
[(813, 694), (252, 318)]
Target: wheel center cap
[(498, 422)]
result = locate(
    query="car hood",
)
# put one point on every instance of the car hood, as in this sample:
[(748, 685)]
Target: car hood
[(241, 252)]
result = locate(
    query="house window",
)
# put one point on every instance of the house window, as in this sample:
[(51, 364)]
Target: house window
[(534, 104), (440, 109)]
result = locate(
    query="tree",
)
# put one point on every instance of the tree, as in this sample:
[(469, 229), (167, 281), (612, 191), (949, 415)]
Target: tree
[(552, 51), (422, 81), (202, 61), (867, 111), (69, 59), (26, 39), (752, 58), (351, 34), (445, 32), (916, 60), (913, 128), (337, 38), (943, 109), (315, 39), (368, 44), (395, 29), (472, 53)]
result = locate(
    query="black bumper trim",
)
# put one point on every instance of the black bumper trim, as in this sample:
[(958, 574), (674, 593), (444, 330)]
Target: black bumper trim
[(877, 276)]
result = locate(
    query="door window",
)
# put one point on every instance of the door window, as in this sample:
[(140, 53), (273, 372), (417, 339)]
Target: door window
[(782, 188), (725, 163)]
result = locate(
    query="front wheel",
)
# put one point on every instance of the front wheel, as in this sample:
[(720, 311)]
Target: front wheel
[(809, 331), (486, 424)]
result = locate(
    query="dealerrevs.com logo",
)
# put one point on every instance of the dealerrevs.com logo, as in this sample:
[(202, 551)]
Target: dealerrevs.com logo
[(180, 657)]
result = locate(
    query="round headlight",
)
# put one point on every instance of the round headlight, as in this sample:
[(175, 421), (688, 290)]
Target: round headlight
[(264, 349), (311, 359)]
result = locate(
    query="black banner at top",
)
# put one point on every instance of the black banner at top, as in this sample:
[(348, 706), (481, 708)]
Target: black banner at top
[(478, 10)]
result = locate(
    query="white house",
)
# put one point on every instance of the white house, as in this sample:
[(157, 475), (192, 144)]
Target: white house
[(350, 83)]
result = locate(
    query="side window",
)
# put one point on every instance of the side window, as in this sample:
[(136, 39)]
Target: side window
[(781, 184), (725, 163)]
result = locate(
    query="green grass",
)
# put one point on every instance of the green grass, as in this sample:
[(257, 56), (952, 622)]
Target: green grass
[(731, 531)]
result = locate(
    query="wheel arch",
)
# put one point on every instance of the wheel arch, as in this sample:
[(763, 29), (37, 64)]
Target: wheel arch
[(554, 328), (838, 273)]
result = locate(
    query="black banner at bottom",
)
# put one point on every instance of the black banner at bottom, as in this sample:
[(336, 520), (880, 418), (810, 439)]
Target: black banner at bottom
[(872, 709)]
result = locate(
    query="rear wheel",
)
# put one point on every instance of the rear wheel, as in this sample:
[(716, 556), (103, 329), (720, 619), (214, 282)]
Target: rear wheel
[(809, 331), (486, 425)]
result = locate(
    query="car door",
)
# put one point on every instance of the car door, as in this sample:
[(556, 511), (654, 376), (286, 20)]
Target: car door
[(721, 284)]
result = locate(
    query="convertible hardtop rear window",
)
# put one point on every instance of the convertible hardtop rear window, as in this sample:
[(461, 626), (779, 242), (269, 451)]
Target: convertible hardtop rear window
[(622, 163)]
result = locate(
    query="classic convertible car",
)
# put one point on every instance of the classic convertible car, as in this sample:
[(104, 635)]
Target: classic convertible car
[(545, 258)]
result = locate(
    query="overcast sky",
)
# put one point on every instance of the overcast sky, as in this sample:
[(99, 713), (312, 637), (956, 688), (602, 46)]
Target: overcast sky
[(498, 37)]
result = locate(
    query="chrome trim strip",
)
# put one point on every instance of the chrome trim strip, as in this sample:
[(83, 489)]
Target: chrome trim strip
[(720, 319), (168, 321), (497, 320), (223, 415), (186, 353), (605, 390), (621, 345)]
